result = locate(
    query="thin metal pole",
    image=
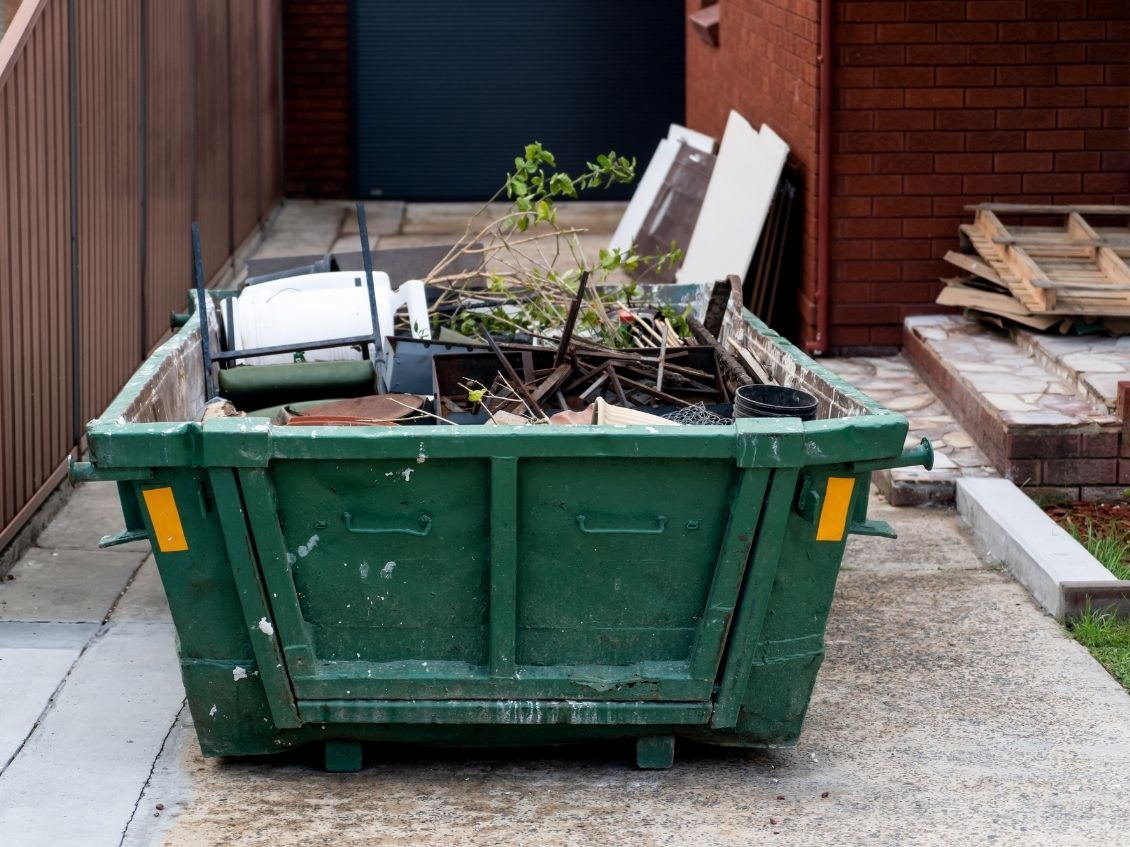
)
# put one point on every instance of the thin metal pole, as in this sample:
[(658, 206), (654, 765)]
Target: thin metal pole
[(202, 311), (76, 310), (367, 258), (143, 176), (571, 321)]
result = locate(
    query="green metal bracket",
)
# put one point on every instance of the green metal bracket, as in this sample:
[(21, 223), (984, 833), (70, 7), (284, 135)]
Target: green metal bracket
[(89, 472), (881, 529), (123, 537), (655, 752)]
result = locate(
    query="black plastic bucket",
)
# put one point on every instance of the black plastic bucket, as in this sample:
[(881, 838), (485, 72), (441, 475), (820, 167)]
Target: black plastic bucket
[(774, 401)]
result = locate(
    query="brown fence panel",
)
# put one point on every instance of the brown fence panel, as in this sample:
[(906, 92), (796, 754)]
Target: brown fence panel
[(169, 163), (35, 279), (108, 56), (269, 34), (244, 119), (213, 135), (169, 100)]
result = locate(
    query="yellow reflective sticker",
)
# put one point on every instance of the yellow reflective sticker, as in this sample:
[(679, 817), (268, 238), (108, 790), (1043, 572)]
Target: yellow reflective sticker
[(834, 512), (165, 518)]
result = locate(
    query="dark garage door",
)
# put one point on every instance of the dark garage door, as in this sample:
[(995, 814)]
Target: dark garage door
[(446, 92)]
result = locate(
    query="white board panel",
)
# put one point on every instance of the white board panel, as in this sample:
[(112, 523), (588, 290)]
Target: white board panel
[(646, 190), (737, 201), (697, 140)]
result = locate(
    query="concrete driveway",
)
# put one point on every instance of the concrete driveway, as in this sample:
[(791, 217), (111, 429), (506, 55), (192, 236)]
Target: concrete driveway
[(949, 710)]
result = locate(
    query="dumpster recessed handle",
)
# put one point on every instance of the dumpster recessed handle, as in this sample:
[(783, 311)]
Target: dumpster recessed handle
[(660, 527), (425, 527)]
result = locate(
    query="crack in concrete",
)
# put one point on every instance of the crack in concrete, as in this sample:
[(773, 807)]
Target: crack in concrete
[(152, 768)]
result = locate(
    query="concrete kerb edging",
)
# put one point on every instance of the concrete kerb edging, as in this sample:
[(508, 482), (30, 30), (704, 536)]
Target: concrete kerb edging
[(1058, 572)]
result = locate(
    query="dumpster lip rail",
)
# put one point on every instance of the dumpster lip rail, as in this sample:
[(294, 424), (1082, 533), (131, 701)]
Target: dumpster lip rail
[(117, 443)]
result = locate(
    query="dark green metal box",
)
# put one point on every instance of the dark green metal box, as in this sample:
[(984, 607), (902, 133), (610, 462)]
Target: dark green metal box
[(495, 585)]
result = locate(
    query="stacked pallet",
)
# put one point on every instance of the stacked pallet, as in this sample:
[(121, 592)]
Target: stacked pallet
[(1058, 266)]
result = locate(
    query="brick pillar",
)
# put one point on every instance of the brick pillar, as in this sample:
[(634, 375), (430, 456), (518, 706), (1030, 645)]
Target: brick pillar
[(316, 97)]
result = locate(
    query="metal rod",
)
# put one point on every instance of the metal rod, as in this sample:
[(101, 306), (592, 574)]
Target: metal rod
[(77, 415), (202, 311), (619, 389), (571, 321), (512, 377), (662, 352), (367, 258), (228, 355), (584, 395), (647, 389)]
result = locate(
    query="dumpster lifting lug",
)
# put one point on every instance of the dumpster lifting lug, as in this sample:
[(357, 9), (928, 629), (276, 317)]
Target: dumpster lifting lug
[(921, 454), (88, 472)]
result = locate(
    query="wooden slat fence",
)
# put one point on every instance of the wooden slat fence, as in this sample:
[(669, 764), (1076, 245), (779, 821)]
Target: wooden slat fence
[(120, 121)]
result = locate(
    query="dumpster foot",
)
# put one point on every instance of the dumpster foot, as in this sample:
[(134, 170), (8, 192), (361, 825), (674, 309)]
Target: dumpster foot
[(343, 756), (656, 752)]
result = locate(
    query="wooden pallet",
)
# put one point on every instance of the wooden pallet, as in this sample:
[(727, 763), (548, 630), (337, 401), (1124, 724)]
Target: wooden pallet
[(1073, 268)]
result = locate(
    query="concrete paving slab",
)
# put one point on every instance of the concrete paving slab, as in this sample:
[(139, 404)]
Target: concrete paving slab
[(949, 710), (351, 243), (446, 218), (286, 244), (309, 216), (34, 659), (391, 242), (382, 217), (92, 511), (66, 585), (927, 541), (144, 599), (78, 778)]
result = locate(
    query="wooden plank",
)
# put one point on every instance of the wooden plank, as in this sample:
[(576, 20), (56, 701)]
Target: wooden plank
[(1039, 322), (962, 296), (975, 266), (1113, 266), (1041, 209)]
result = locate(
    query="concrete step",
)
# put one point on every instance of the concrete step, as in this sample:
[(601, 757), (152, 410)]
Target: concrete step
[(1033, 407)]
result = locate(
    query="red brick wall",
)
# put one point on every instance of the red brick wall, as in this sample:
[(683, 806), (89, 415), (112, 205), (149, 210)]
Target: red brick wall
[(765, 67), (940, 103), (316, 98)]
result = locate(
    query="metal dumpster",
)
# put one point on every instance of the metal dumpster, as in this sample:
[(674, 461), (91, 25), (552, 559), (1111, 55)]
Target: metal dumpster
[(495, 585)]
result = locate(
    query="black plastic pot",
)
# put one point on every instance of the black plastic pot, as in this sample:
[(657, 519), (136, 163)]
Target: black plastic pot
[(774, 401)]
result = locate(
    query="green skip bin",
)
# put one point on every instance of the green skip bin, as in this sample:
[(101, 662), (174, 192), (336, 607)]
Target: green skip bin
[(496, 585)]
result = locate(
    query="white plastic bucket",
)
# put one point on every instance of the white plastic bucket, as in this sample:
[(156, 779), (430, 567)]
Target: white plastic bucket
[(320, 307)]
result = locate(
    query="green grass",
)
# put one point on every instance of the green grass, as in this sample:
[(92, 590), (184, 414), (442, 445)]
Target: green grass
[(1109, 544), (1108, 639)]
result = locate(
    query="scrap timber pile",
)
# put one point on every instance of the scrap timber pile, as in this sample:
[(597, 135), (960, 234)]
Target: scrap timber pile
[(1056, 266), (514, 324)]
